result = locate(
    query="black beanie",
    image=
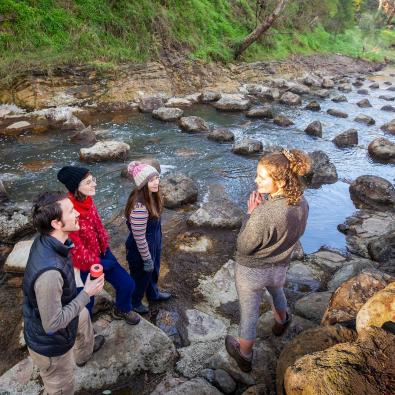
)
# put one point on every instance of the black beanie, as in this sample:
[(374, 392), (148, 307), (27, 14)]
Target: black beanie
[(71, 176)]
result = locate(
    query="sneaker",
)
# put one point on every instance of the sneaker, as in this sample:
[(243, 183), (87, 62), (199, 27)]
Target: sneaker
[(162, 295), (130, 317), (278, 329), (233, 349), (98, 343), (141, 309)]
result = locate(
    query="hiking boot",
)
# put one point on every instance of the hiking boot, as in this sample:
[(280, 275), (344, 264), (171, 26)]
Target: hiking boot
[(130, 317), (162, 295), (233, 349), (278, 329), (97, 345), (141, 309)]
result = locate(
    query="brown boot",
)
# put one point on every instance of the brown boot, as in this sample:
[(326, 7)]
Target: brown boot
[(278, 329), (130, 317), (233, 349)]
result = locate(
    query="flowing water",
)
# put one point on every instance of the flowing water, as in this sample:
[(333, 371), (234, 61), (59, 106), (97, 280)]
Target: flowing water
[(29, 163)]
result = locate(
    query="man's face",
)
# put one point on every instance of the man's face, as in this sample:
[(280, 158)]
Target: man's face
[(69, 216)]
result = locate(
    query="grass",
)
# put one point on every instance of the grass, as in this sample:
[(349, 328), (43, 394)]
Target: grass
[(42, 34)]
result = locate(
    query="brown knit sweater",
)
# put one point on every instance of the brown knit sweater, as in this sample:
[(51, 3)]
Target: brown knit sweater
[(268, 236)]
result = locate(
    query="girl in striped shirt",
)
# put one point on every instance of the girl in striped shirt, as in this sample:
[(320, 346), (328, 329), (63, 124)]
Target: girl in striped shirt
[(144, 243)]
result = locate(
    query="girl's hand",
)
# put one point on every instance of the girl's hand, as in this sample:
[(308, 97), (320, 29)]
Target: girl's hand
[(253, 201)]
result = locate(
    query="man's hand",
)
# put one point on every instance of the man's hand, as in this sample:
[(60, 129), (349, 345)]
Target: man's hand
[(254, 200), (93, 287)]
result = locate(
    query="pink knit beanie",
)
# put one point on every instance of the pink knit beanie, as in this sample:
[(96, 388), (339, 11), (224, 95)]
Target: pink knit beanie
[(141, 173)]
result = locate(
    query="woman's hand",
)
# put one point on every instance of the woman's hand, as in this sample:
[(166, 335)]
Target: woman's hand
[(253, 201)]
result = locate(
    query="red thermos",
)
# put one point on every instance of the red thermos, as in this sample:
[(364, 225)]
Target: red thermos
[(96, 271)]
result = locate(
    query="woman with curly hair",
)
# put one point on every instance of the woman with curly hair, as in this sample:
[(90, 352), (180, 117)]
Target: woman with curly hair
[(265, 245)]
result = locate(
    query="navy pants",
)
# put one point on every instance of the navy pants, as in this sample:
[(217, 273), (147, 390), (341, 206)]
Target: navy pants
[(119, 278), (146, 283)]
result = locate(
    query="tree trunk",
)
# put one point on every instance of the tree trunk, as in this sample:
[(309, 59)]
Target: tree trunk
[(262, 28)]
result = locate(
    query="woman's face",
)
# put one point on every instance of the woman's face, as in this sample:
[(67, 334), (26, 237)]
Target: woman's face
[(88, 186), (153, 184), (265, 184)]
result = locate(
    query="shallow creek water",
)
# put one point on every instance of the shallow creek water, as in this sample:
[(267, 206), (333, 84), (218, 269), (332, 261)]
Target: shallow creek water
[(29, 163)]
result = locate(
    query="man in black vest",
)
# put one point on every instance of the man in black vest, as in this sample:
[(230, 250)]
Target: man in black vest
[(57, 327)]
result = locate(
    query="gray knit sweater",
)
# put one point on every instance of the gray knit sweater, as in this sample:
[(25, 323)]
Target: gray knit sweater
[(268, 236)]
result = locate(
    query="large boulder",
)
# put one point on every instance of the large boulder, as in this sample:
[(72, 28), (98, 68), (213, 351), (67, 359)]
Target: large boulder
[(85, 137), (221, 135), (313, 106), (348, 138), (282, 120), (269, 94), (144, 349), (388, 108), (313, 306), (382, 150), (15, 222), (378, 310), (167, 114), (291, 99), (105, 150), (305, 276), (193, 124), (231, 103), (322, 171), (17, 260), (389, 127), (178, 102), (364, 103), (345, 87), (337, 113), (327, 83), (18, 127), (312, 80), (363, 367), (298, 89), (178, 189), (248, 147), (261, 112), (217, 214), (150, 103), (366, 119), (373, 192), (322, 93), (348, 299), (314, 129), (210, 96), (308, 342), (339, 99)]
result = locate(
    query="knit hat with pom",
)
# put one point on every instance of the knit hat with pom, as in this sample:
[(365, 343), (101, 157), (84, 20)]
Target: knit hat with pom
[(141, 173)]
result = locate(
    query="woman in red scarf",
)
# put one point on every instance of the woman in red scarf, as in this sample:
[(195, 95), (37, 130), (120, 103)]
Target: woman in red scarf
[(91, 242)]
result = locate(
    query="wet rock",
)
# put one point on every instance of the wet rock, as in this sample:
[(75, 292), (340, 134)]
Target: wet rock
[(339, 99), (313, 106), (344, 365), (387, 97), (62, 117), (323, 93), (346, 139), (167, 114), (313, 306), (298, 89), (269, 94), (15, 223), (308, 342), (388, 108), (328, 260), (364, 103), (193, 242), (178, 189), (154, 353), (312, 80), (314, 129), (18, 127), (221, 135), (194, 98), (169, 321), (378, 310), (351, 295), (208, 374), (373, 192), (291, 99), (349, 270), (280, 83), (322, 171), (327, 83), (389, 127), (345, 87), (362, 91), (304, 276), (282, 120), (105, 150), (387, 83), (366, 119), (375, 85), (231, 103), (150, 103), (261, 112), (84, 137), (16, 261), (193, 124), (217, 214), (210, 96), (224, 381), (382, 150), (337, 113), (251, 89), (247, 147), (391, 89), (357, 83), (178, 102)]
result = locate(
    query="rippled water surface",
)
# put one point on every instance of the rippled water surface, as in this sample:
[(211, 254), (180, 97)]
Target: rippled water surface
[(30, 162)]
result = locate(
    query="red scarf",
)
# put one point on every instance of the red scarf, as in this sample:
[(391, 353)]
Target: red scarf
[(82, 206)]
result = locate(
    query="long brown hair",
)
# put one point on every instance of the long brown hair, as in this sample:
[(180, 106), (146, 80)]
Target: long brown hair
[(151, 200), (287, 167), (79, 195)]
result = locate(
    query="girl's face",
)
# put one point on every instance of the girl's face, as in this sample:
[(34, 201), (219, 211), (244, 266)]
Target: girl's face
[(88, 186), (153, 184), (265, 184)]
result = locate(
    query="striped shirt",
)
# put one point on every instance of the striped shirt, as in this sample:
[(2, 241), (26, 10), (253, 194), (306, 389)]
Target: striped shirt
[(138, 221)]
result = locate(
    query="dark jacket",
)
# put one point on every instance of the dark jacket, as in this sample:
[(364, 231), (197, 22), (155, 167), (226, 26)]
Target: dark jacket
[(47, 253)]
